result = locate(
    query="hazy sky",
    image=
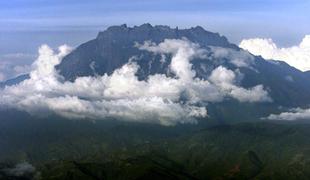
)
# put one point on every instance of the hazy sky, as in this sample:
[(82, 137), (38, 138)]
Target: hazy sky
[(286, 21), (25, 24)]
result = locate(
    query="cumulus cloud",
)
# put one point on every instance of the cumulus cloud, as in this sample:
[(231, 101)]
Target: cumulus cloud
[(225, 79), (293, 114), (183, 51), (296, 56), (159, 99)]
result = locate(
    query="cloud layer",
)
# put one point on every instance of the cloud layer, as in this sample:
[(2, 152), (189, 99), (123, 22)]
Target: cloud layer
[(296, 56), (293, 114), (159, 99), (20, 170)]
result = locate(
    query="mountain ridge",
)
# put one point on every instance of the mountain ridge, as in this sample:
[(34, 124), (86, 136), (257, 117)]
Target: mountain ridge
[(113, 48)]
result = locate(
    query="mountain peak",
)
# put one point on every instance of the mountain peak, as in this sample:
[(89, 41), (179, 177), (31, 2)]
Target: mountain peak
[(198, 28), (114, 46), (157, 33), (146, 26)]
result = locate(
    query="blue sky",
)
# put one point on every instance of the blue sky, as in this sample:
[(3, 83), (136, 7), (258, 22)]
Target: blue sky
[(230, 16), (284, 20), (25, 24)]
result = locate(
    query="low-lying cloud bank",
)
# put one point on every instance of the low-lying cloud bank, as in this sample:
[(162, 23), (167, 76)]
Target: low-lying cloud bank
[(293, 114), (159, 99), (22, 170), (296, 56)]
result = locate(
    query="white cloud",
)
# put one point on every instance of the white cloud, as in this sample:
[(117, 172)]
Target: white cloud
[(238, 58), (3, 67), (21, 69), (225, 79), (184, 51), (159, 99), (293, 114), (296, 56), (2, 77), (17, 56), (20, 169), (12, 65)]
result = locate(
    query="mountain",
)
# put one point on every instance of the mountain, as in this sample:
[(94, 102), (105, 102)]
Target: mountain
[(115, 46), (218, 147), (14, 81), (112, 48)]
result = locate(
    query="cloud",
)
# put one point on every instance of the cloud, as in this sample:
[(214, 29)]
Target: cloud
[(159, 99), (238, 58), (21, 69), (293, 114), (2, 77), (20, 170), (183, 50), (17, 56), (12, 65), (225, 80), (296, 56)]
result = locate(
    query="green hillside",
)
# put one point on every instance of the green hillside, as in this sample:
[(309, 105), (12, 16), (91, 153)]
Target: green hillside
[(62, 149)]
